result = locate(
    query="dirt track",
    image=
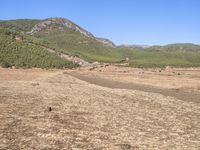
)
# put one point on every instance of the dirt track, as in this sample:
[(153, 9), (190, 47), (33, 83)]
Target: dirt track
[(190, 96), (88, 116)]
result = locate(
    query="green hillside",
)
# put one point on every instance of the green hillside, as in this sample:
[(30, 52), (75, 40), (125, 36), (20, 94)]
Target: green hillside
[(178, 55), (69, 41), (165, 58), (181, 47), (66, 40), (20, 25), (14, 51), (74, 43)]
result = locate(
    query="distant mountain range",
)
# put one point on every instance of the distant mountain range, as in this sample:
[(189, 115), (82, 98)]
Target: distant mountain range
[(134, 46), (34, 26), (64, 36)]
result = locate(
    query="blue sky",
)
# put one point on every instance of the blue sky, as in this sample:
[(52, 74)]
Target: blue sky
[(123, 21)]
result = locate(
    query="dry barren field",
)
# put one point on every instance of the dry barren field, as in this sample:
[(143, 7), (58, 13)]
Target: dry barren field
[(104, 108)]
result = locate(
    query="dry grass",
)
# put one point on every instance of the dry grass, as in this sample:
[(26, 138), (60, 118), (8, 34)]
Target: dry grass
[(86, 116)]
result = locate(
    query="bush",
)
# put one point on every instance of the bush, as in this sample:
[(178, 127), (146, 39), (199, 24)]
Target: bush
[(5, 65)]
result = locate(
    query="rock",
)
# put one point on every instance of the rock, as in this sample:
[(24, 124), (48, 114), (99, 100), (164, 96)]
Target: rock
[(50, 109), (125, 147)]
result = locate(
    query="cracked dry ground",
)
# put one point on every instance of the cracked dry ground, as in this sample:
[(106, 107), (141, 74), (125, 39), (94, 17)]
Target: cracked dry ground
[(87, 116)]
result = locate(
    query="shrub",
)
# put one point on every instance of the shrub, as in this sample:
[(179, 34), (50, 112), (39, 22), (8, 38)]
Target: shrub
[(6, 65)]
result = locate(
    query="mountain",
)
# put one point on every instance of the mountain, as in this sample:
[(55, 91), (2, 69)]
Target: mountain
[(134, 46), (60, 38), (176, 47), (62, 23), (65, 37), (35, 26)]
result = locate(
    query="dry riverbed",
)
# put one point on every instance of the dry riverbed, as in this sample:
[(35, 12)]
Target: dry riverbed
[(107, 108)]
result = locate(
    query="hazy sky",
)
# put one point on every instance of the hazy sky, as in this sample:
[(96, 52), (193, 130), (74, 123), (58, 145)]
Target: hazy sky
[(122, 21)]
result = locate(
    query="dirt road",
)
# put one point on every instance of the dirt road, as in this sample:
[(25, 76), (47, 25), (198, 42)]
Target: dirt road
[(190, 96)]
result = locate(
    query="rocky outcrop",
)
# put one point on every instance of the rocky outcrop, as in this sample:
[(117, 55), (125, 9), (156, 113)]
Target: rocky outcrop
[(61, 22), (72, 58), (64, 24), (106, 42)]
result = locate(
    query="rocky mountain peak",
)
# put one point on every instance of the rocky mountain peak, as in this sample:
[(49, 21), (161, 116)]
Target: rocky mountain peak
[(61, 22), (64, 24)]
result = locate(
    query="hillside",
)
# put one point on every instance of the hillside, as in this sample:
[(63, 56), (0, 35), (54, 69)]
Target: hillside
[(20, 25), (162, 59), (17, 51), (74, 43), (176, 47), (66, 37)]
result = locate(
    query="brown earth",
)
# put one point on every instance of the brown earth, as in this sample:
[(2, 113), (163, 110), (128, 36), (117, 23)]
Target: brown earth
[(107, 108), (180, 93)]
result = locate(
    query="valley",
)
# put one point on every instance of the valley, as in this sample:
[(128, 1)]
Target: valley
[(61, 87)]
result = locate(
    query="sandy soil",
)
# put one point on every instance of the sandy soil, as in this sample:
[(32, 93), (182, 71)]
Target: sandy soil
[(88, 115), (184, 85), (167, 78)]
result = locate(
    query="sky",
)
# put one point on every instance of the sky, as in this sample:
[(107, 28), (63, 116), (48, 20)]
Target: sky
[(146, 22)]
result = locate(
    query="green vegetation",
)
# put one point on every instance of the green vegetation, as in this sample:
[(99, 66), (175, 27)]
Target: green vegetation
[(22, 54), (176, 58), (74, 43), (71, 42), (176, 47), (20, 25), (65, 40)]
